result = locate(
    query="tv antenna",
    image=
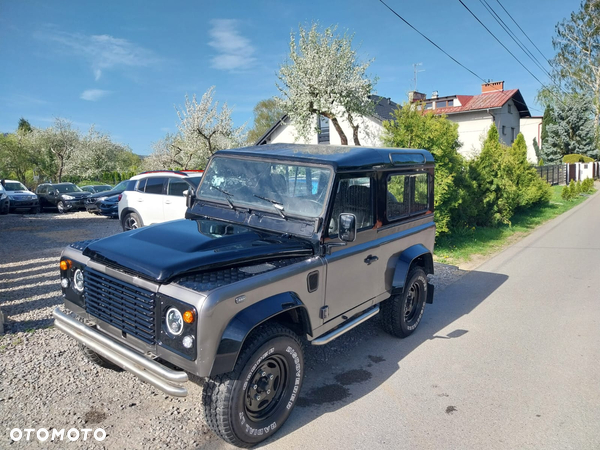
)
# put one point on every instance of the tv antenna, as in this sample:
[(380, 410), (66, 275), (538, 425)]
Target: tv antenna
[(416, 71)]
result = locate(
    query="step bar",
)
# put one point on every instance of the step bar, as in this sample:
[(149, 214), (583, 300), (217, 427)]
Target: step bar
[(167, 380), (325, 339)]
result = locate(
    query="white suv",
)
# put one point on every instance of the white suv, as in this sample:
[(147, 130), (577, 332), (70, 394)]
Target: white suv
[(154, 197)]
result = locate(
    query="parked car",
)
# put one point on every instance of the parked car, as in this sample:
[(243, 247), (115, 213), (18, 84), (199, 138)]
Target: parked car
[(20, 197), (92, 203), (94, 189), (260, 264), (110, 206), (64, 196), (4, 201), (155, 197)]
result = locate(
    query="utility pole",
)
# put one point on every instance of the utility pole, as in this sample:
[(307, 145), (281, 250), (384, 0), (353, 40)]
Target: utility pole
[(416, 71)]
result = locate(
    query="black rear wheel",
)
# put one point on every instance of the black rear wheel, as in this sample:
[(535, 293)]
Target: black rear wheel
[(402, 313), (247, 405), (61, 207)]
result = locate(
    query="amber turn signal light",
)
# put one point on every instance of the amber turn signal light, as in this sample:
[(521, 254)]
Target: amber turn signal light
[(65, 264), (188, 317)]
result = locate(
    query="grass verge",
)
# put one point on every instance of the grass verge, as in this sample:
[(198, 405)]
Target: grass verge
[(462, 245)]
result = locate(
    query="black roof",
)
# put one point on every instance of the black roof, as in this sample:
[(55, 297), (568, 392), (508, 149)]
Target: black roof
[(342, 157), (384, 107)]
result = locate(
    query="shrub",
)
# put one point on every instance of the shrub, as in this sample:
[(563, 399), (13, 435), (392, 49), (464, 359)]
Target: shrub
[(587, 185), (576, 158), (578, 188), (566, 193)]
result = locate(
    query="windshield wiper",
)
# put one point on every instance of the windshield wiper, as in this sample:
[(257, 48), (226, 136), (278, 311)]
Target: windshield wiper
[(227, 196), (277, 205)]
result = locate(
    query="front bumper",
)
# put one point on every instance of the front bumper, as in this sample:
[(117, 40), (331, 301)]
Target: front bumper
[(22, 204), (74, 204), (167, 380)]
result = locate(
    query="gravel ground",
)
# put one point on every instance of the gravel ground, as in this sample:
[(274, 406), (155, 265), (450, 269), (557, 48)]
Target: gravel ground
[(46, 383)]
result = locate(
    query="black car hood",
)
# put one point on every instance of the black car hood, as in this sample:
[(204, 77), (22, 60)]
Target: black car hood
[(161, 252), (107, 193)]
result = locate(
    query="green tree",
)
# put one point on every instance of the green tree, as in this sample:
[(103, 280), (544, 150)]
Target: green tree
[(537, 150), (410, 128), (571, 132), (266, 114), (547, 119), (494, 190), (530, 187), (577, 61), (323, 77), (24, 126)]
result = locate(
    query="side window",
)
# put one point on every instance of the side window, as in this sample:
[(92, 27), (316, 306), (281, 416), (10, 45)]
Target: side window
[(176, 187), (141, 185), (42, 189), (154, 185), (353, 196), (407, 195)]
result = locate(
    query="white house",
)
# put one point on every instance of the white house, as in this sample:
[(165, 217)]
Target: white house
[(474, 115)]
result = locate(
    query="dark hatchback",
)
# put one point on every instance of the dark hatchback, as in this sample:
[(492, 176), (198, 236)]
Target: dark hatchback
[(110, 206), (92, 203), (64, 196)]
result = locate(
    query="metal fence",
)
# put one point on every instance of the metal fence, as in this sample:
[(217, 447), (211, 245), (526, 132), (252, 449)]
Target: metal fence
[(554, 174)]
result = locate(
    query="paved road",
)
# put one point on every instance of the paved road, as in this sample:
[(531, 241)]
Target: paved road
[(508, 357)]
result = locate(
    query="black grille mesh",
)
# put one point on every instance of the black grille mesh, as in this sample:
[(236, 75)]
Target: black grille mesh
[(122, 305)]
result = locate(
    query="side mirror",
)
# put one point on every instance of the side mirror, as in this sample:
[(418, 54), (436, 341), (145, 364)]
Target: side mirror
[(189, 198), (347, 227)]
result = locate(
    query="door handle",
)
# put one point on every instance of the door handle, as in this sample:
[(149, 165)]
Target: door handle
[(370, 259)]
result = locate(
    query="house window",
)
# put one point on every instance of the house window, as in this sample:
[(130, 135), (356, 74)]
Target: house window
[(510, 109), (450, 102), (440, 104), (428, 105), (323, 127), (503, 129), (512, 134)]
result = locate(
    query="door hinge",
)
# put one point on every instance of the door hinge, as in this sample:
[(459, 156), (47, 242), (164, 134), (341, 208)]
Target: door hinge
[(324, 313)]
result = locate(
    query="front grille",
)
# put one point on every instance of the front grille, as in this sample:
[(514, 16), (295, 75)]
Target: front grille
[(122, 305)]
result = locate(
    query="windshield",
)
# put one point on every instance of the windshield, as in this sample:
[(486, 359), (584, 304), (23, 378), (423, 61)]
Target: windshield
[(14, 186), (294, 189), (62, 188), (103, 188), (121, 185)]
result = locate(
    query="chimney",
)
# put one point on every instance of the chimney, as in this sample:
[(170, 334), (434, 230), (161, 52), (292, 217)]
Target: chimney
[(414, 96), (434, 95), (492, 86)]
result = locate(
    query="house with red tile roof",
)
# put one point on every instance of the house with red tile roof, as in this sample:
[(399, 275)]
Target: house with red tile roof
[(474, 115)]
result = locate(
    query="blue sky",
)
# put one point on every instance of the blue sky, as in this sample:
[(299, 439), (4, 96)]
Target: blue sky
[(124, 65)]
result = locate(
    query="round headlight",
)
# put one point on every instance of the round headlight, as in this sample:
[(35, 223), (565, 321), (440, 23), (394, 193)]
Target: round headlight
[(188, 341), (78, 280), (174, 321)]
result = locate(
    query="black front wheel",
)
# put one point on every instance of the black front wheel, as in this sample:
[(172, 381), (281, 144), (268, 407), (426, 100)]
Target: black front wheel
[(402, 313), (250, 403)]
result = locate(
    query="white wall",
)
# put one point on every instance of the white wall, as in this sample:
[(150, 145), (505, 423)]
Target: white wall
[(472, 130), (509, 120), (530, 127), (369, 133)]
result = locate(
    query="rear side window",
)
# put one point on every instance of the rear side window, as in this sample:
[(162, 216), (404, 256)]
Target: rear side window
[(176, 187), (407, 195), (154, 185)]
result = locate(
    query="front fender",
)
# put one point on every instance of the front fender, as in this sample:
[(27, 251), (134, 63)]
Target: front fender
[(245, 321), (416, 253)]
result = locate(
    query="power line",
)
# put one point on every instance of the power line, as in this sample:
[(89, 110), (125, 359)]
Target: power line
[(512, 35), (448, 55), (431, 42), (522, 31), (500, 42)]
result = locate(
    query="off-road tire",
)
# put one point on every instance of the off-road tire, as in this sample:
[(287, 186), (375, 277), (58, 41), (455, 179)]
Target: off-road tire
[(131, 221), (228, 399), (97, 359), (402, 313)]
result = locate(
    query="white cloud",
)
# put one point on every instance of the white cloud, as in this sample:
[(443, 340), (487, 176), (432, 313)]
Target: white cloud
[(234, 50), (93, 95), (103, 52)]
